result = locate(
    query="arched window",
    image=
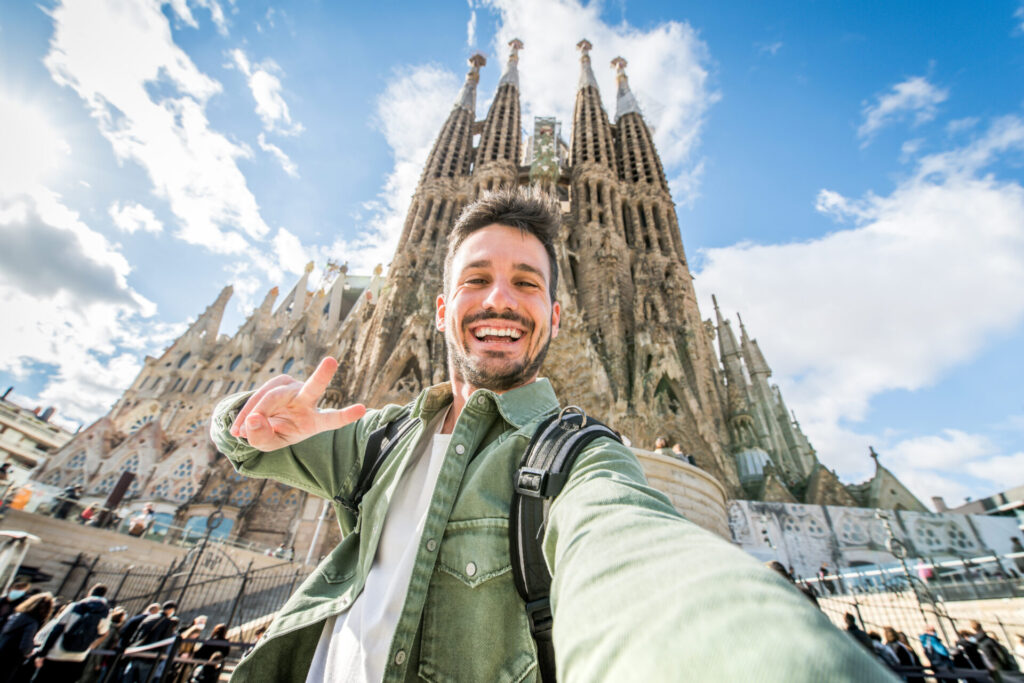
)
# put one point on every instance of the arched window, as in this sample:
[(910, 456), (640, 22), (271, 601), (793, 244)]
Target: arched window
[(184, 359), (234, 362), (287, 365)]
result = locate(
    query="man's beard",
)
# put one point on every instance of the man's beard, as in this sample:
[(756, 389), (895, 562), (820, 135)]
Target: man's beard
[(468, 369)]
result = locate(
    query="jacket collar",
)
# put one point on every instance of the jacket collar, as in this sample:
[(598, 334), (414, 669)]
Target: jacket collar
[(519, 406)]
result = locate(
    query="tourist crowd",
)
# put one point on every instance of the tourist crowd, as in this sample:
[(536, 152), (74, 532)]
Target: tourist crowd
[(41, 640)]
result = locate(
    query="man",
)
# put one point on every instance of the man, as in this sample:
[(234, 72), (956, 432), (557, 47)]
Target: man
[(857, 633), (67, 501), (935, 650), (151, 630), (421, 584), (66, 640), (16, 595), (677, 452), (661, 446), (132, 625)]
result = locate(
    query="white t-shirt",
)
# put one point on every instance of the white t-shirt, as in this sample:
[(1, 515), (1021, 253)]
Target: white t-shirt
[(354, 645)]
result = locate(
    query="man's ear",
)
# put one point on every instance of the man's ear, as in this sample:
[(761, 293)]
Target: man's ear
[(556, 315), (439, 320)]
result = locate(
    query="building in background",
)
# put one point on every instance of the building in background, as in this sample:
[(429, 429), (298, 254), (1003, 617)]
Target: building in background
[(27, 437), (633, 348)]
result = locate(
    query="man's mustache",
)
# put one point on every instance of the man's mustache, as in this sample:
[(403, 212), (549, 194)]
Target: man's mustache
[(503, 315)]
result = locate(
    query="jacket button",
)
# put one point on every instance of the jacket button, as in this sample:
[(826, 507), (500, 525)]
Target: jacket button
[(400, 657), (470, 569), (481, 400), (460, 449), (431, 545)]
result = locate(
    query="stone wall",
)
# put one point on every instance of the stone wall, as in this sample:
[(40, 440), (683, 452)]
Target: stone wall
[(62, 540), (694, 492)]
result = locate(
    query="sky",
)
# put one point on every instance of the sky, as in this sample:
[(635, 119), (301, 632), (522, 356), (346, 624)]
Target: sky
[(848, 177)]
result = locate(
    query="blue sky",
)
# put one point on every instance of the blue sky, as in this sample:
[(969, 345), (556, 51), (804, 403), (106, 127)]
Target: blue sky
[(847, 177)]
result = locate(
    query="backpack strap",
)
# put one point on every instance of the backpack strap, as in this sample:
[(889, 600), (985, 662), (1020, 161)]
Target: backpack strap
[(541, 476), (378, 447)]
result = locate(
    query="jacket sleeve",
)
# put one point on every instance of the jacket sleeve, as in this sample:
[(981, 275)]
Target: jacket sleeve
[(28, 635), (325, 465), (640, 593)]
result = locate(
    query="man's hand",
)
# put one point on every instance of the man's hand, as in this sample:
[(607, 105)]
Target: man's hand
[(283, 411)]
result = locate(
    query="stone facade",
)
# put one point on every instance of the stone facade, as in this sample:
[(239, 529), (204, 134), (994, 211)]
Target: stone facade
[(804, 536), (633, 349)]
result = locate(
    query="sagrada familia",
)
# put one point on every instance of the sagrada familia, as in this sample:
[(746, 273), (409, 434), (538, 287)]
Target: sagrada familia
[(633, 350)]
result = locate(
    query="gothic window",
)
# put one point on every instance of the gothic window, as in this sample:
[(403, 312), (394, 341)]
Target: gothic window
[(156, 383), (241, 497), (959, 539), (234, 363), (184, 359), (927, 537), (216, 493), (134, 489), (53, 478), (852, 533), (107, 484), (143, 382), (791, 526), (77, 461), (209, 385), (814, 527), (292, 499), (195, 426), (236, 477), (228, 390), (287, 365), (140, 423), (77, 480), (196, 387), (131, 464), (183, 493), (183, 469), (274, 499), (162, 489)]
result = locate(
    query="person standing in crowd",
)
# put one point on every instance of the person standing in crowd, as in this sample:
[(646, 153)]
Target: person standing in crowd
[(967, 649), (16, 595), (67, 501), (153, 629), (132, 625), (17, 637), (993, 654), (66, 640), (883, 652), (96, 664), (212, 654), (906, 653), (826, 582), (185, 648), (934, 650), (661, 446), (857, 633)]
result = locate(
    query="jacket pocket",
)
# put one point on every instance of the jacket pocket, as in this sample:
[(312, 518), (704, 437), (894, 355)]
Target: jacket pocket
[(474, 622), (340, 565)]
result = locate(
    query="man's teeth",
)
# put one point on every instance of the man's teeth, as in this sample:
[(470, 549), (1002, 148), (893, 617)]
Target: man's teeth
[(496, 332)]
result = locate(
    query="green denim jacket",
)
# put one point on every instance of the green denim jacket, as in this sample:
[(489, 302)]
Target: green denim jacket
[(639, 593)]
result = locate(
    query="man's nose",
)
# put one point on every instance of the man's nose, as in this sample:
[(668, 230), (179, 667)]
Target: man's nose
[(500, 297)]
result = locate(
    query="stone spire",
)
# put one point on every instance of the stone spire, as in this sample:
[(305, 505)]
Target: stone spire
[(625, 103), (204, 329), (467, 96), (511, 75), (586, 73), (752, 356), (296, 298), (591, 132), (497, 155)]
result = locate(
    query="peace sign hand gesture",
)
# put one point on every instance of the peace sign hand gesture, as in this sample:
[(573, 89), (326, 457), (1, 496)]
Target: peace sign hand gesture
[(283, 411)]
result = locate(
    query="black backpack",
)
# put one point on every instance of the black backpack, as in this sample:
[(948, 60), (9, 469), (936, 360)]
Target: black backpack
[(542, 473), (86, 628)]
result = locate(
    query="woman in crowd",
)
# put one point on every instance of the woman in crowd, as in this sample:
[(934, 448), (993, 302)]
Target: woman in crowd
[(16, 639), (212, 653)]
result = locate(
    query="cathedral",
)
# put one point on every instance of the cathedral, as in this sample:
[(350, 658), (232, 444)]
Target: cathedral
[(633, 350)]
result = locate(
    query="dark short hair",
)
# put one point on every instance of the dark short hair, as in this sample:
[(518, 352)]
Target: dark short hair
[(170, 604), (98, 591), (527, 209)]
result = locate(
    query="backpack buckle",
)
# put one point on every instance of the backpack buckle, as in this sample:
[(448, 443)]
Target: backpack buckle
[(536, 482), (538, 613)]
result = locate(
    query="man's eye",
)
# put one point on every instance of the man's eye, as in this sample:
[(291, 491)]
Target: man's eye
[(526, 283), (476, 281)]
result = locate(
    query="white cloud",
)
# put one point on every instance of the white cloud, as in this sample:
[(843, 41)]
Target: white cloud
[(1019, 16), (266, 90), (668, 73), (287, 164), (471, 28), (134, 217), (291, 255), (410, 113), (181, 9), (914, 96), (31, 148), (770, 48), (926, 277), (149, 101)]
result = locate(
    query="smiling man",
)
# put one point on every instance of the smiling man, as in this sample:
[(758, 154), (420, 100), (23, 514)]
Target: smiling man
[(421, 586)]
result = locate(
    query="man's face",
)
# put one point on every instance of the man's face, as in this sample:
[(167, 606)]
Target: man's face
[(498, 318)]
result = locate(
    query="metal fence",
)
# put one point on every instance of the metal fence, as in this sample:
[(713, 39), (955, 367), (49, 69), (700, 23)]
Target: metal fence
[(200, 583), (948, 596)]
